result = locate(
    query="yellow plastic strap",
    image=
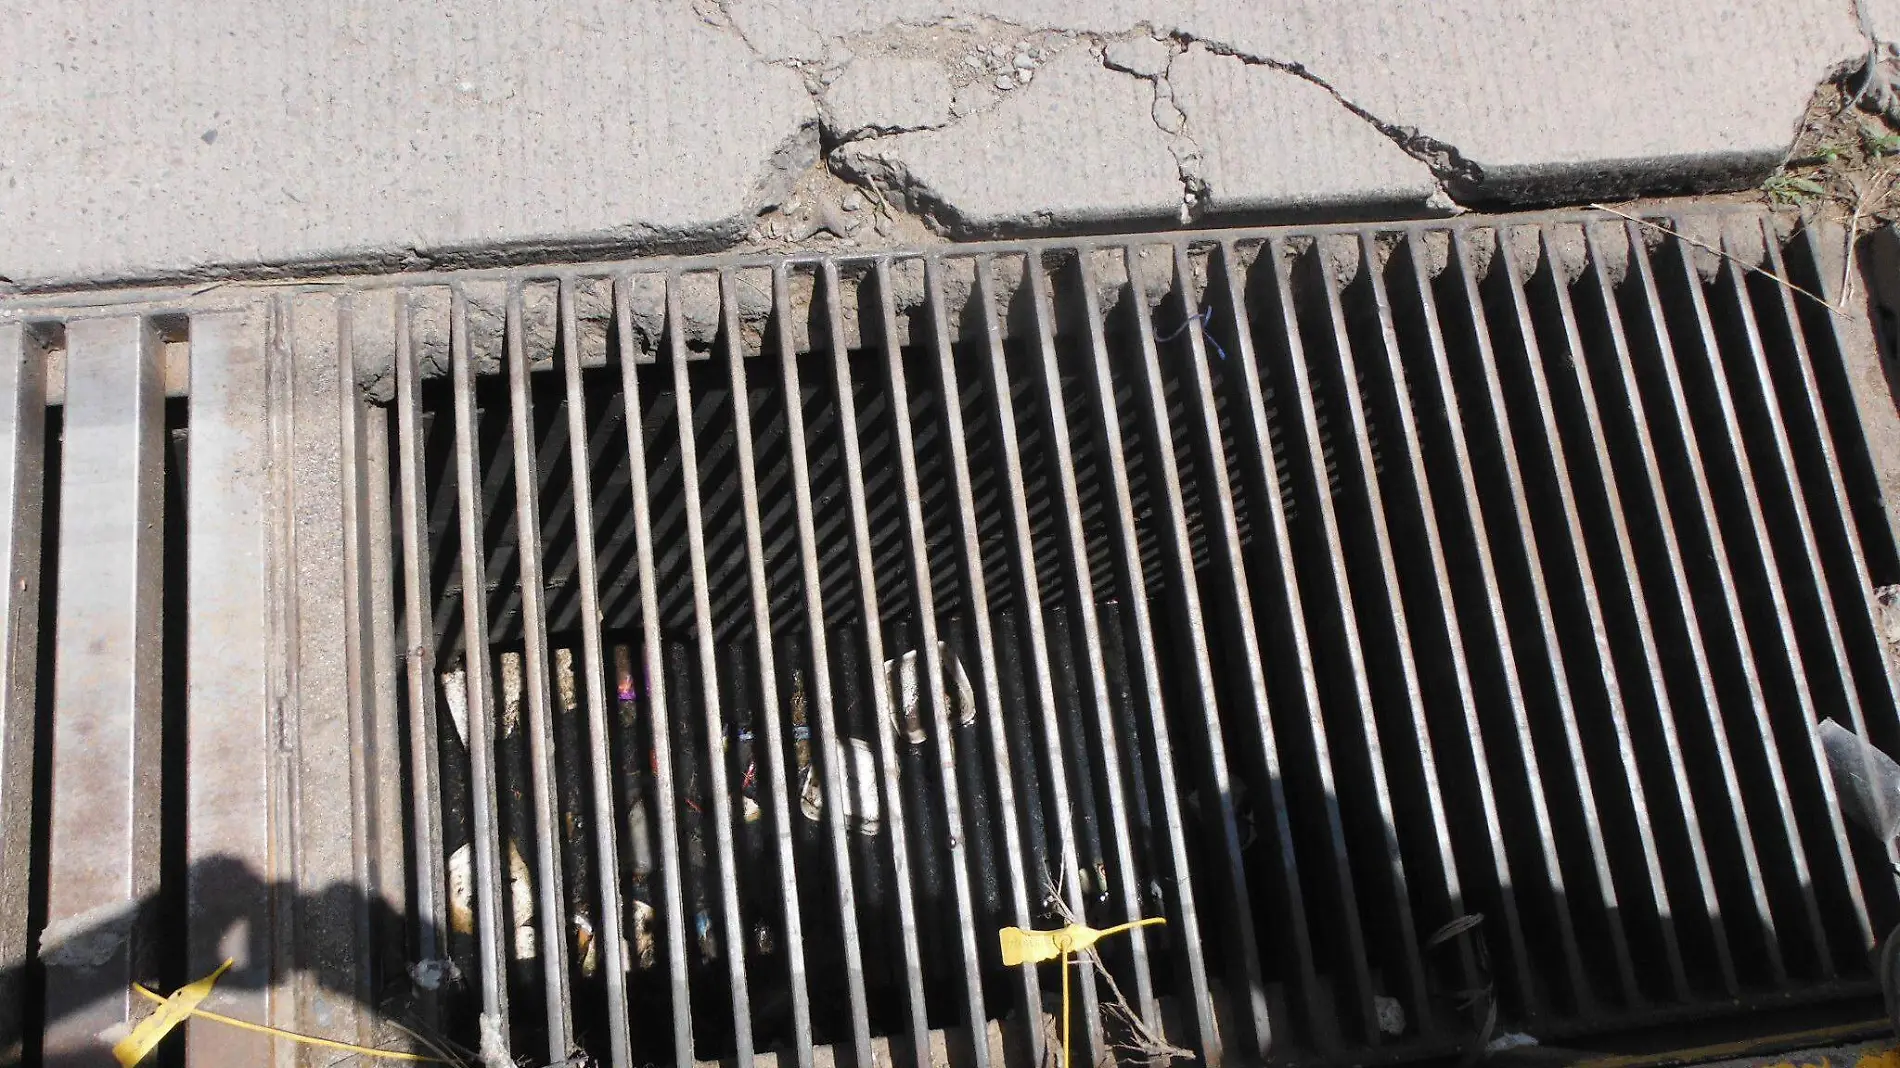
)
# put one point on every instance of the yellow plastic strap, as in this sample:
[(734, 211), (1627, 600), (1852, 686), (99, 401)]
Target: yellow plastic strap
[(170, 1013), (1033, 947), (292, 1036)]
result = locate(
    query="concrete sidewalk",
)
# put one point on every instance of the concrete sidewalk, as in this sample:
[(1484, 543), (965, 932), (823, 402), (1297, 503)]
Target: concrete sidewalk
[(157, 139)]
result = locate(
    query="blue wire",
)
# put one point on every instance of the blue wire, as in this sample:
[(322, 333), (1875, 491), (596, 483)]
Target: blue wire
[(1205, 332)]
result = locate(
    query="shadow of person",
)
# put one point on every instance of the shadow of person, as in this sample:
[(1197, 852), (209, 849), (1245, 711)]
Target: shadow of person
[(67, 1004)]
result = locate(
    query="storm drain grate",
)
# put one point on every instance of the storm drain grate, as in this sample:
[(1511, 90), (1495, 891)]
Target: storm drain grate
[(700, 660), (1427, 621)]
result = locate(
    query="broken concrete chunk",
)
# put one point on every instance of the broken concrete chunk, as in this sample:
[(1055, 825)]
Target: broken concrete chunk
[(888, 94), (1141, 56), (1097, 157)]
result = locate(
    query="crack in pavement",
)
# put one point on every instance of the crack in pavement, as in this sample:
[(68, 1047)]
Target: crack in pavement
[(1457, 174), (1172, 120)]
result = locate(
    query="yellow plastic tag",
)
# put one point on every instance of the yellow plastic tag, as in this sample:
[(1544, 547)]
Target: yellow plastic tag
[(170, 1013), (1033, 947)]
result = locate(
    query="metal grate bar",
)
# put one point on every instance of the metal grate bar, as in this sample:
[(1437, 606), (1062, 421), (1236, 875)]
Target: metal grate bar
[(1666, 528), (1155, 420), (1572, 356), (714, 764), (1769, 412), (1737, 627), (1460, 439), (671, 908), (883, 722), (932, 687), (1347, 377), (1029, 992), (491, 935), (427, 855), (1082, 587), (1843, 513), (1487, 359), (831, 745), (1736, 449), (104, 854), (1434, 536), (1354, 950), (22, 502), (1057, 809), (231, 733), (549, 886), (1252, 1018), (1263, 478), (768, 710), (611, 937)]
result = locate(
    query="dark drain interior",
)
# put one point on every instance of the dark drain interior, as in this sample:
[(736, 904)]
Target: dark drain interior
[(1428, 623)]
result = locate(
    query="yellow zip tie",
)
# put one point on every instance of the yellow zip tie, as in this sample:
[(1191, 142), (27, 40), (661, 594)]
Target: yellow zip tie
[(1033, 947), (122, 1049), (171, 1012)]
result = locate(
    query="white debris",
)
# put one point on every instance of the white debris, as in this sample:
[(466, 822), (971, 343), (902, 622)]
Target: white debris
[(462, 891), (1005, 82), (494, 1044), (1510, 1040), (455, 691), (1391, 1014)]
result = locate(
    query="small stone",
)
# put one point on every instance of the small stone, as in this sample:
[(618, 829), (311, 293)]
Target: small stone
[(1023, 76), (1390, 1014), (973, 61), (851, 201), (1005, 82), (1023, 62)]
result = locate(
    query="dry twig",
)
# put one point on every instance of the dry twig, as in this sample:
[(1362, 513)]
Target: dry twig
[(1143, 1042), (1836, 308)]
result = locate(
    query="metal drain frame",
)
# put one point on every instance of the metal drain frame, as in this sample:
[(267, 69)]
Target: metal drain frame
[(287, 545)]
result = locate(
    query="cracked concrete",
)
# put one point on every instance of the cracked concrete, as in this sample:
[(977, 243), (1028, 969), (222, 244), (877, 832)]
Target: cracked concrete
[(151, 139)]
